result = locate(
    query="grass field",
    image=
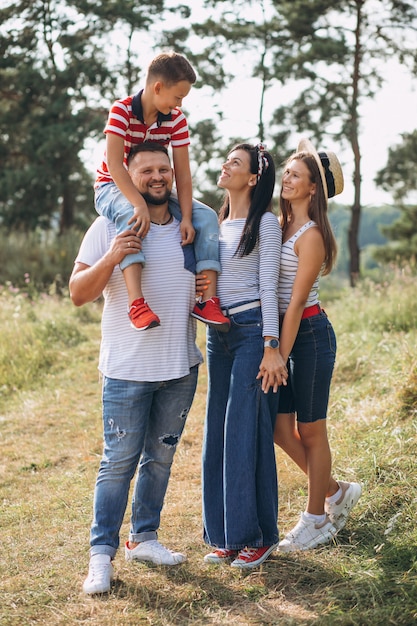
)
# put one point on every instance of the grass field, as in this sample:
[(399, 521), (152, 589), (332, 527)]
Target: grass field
[(50, 434)]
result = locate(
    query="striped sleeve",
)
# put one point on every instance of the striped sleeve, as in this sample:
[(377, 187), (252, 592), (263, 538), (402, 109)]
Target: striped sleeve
[(95, 242), (118, 119), (270, 240), (253, 276), (180, 134)]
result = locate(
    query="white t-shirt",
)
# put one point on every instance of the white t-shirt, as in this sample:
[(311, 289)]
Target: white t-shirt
[(168, 351), (254, 276)]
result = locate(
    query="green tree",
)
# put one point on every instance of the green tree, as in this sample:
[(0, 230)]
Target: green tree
[(399, 177), (56, 81), (235, 35), (337, 53), (332, 53), (46, 69), (208, 151)]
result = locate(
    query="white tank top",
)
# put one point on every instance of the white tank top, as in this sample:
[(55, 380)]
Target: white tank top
[(288, 270)]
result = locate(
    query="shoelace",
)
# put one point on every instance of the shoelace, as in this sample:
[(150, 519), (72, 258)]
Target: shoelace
[(247, 553), (224, 552), (98, 570), (296, 532)]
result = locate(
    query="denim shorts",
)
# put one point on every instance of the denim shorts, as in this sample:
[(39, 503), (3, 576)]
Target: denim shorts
[(310, 370)]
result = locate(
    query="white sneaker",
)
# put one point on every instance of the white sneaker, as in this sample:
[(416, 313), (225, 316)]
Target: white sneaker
[(338, 511), (154, 552), (100, 574), (307, 535)]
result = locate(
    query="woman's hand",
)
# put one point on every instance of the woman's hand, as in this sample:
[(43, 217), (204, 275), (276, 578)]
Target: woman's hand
[(201, 284), (272, 370)]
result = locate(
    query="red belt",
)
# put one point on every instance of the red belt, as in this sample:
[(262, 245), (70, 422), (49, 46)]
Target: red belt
[(310, 311)]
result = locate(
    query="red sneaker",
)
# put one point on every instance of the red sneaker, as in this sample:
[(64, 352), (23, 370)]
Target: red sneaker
[(141, 316), (211, 314), (251, 557), (220, 555)]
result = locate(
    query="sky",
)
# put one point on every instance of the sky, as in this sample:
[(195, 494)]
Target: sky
[(393, 111)]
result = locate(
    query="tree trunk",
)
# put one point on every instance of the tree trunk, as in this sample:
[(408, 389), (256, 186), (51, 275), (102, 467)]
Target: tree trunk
[(353, 234), (354, 251), (67, 211)]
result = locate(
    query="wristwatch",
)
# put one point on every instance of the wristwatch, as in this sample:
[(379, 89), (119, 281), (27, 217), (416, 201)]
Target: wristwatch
[(271, 343)]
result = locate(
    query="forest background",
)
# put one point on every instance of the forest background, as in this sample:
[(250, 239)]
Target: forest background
[(284, 69), (313, 68)]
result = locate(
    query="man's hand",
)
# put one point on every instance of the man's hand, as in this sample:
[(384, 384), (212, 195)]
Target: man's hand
[(88, 282), (187, 232), (125, 243)]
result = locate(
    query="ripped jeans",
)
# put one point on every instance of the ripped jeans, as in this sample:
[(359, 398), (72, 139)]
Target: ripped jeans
[(143, 423)]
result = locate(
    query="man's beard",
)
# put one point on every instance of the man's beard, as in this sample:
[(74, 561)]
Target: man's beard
[(156, 201)]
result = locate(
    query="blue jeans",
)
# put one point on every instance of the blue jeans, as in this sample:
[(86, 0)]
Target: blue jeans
[(142, 423), (111, 203), (240, 492), (310, 370)]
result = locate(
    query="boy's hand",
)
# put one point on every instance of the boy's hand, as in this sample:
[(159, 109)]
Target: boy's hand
[(187, 232), (140, 220)]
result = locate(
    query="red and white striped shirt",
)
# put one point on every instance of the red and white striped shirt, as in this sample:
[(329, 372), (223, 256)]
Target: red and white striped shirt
[(168, 129)]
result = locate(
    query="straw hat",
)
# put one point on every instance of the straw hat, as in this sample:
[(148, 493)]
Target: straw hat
[(329, 167)]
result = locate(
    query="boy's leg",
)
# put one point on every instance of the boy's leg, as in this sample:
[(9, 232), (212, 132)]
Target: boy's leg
[(206, 250), (111, 203), (140, 314), (133, 279), (206, 241)]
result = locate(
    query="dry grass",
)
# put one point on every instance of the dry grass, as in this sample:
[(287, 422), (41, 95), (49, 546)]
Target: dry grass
[(51, 444)]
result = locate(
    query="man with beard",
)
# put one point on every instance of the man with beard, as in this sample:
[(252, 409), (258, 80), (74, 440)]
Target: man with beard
[(149, 379)]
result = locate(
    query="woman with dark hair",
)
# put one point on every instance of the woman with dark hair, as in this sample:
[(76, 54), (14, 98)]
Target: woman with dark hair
[(245, 369), (308, 343)]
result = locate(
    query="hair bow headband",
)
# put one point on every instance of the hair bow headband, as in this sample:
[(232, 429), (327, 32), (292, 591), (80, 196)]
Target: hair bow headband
[(262, 160)]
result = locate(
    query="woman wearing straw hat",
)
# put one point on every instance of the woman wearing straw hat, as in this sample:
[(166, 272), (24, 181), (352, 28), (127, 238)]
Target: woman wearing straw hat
[(308, 343)]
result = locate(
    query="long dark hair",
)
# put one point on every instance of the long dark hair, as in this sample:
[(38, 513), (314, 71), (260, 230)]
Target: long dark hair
[(317, 210), (261, 164)]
